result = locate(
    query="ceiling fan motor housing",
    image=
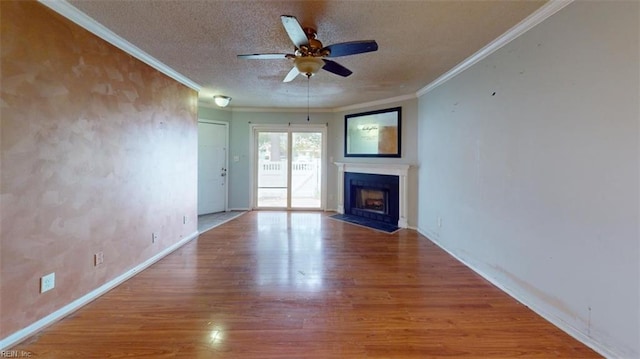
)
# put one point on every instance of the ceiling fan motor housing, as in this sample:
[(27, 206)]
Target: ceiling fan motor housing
[(314, 47)]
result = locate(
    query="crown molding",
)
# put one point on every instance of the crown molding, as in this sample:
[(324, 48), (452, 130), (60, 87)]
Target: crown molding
[(205, 104), (83, 20), (315, 110), (375, 103), (544, 12), (280, 110), (67, 10)]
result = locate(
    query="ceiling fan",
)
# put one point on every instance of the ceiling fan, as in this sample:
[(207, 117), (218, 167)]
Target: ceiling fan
[(309, 55)]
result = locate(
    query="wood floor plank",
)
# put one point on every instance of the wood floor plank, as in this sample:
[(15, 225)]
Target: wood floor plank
[(293, 285)]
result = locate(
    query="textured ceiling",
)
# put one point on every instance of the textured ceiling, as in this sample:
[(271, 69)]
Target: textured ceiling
[(418, 41)]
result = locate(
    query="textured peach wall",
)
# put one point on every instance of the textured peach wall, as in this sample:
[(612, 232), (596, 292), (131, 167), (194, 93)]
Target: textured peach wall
[(98, 150)]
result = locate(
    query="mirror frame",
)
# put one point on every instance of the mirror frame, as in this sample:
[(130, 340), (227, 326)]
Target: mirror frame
[(379, 132)]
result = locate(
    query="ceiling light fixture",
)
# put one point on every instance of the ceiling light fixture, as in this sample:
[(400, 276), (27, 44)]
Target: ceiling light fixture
[(221, 101), (308, 65)]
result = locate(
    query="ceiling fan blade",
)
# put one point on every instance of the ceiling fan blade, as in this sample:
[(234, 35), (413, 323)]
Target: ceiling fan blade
[(294, 30), (264, 56), (336, 68), (352, 48), (291, 75)]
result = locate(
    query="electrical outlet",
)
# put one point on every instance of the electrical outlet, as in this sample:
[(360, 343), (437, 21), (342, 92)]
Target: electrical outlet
[(47, 282), (154, 237), (98, 259), (184, 219)]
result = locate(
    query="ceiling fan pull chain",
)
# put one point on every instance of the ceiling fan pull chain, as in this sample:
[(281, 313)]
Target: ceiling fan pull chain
[(308, 78)]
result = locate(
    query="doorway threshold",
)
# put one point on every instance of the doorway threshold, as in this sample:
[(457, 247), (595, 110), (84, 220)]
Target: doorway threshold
[(212, 220)]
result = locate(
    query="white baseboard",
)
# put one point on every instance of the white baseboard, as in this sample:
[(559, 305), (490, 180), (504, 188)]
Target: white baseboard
[(523, 298), (239, 209), (80, 302)]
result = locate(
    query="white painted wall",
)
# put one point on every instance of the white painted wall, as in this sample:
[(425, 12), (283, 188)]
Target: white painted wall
[(213, 113), (537, 185)]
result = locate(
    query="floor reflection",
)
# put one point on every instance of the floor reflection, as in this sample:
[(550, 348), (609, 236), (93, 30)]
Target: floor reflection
[(290, 257)]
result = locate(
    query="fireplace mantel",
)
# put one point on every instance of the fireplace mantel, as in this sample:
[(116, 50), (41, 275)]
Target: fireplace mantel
[(400, 170)]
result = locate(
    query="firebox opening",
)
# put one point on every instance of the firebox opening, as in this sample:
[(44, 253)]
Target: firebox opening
[(373, 200), (372, 196)]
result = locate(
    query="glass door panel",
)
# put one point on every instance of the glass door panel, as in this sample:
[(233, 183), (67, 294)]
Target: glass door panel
[(273, 169), (288, 167), (306, 166)]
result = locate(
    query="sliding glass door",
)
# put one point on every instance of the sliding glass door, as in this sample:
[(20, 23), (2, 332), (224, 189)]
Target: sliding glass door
[(288, 167), (273, 169)]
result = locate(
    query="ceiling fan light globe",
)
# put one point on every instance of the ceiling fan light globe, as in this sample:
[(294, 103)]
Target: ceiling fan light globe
[(308, 65)]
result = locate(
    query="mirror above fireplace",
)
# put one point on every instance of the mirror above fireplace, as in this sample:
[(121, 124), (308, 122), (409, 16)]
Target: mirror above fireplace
[(373, 134)]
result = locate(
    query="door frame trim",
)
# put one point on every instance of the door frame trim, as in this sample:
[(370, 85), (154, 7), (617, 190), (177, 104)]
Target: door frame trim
[(226, 157), (288, 128)]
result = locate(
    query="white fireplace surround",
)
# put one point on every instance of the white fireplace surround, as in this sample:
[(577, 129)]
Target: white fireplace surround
[(378, 169)]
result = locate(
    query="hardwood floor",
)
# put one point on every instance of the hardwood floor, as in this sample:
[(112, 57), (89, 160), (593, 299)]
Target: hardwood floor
[(302, 285)]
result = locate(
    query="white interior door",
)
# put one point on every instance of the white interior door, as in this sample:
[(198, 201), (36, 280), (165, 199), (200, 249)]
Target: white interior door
[(212, 167)]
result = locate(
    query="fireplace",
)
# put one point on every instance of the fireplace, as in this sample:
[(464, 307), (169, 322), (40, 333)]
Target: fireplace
[(372, 196), (393, 186)]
